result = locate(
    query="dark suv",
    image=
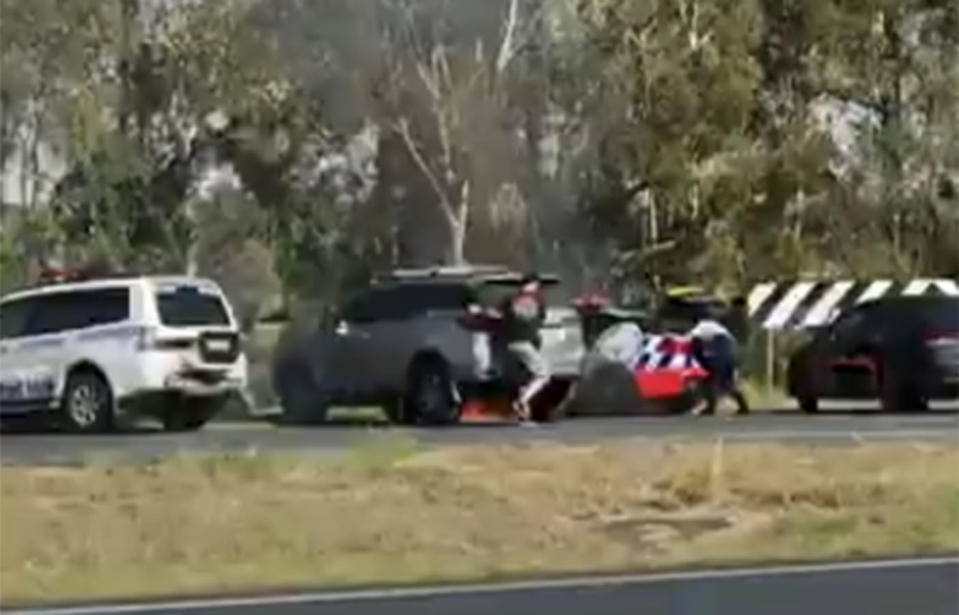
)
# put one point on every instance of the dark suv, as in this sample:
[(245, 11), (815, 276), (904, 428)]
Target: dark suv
[(413, 343), (903, 350)]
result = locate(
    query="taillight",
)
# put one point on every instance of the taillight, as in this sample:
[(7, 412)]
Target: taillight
[(940, 337), (148, 340)]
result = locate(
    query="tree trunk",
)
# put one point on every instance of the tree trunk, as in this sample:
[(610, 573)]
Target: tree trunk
[(457, 223)]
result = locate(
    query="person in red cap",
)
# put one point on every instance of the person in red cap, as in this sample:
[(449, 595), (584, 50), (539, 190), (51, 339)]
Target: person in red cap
[(523, 316)]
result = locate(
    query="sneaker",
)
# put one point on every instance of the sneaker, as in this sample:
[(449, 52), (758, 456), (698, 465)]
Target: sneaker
[(521, 410)]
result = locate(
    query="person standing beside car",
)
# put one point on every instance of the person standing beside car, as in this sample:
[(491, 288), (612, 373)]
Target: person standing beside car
[(524, 313), (717, 351)]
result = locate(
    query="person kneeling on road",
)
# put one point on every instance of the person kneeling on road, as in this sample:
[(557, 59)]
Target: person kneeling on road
[(717, 351), (523, 317)]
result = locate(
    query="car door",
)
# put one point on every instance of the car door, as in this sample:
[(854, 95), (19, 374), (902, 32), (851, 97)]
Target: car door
[(350, 347), (34, 356), (15, 357)]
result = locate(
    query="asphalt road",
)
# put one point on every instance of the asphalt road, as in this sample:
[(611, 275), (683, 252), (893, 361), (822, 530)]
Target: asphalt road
[(830, 428), (905, 587)]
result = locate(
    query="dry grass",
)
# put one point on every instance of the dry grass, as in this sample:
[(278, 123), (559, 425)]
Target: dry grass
[(387, 512)]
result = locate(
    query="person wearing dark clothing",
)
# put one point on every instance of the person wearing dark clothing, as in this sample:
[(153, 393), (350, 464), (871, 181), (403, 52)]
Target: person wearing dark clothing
[(523, 316), (715, 348)]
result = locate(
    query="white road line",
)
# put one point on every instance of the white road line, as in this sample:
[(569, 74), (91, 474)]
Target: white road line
[(905, 434), (490, 588)]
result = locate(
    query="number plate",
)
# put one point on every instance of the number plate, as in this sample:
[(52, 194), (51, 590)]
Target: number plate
[(218, 345)]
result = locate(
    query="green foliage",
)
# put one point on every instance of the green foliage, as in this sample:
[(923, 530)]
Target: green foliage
[(717, 141)]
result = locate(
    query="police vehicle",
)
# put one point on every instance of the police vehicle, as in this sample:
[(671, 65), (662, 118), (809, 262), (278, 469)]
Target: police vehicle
[(88, 350)]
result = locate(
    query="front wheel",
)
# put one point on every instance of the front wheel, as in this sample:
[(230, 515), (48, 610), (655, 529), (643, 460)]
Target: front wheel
[(431, 396), (87, 403), (809, 405)]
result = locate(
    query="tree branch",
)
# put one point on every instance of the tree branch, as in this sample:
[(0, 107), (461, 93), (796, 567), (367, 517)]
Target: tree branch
[(403, 129), (506, 47)]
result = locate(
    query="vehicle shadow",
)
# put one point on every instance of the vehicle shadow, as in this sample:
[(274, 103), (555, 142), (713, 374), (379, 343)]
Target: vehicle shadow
[(35, 425)]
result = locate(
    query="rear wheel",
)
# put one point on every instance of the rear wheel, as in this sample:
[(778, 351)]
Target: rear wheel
[(393, 409), (901, 397), (431, 397), (608, 388), (809, 405), (87, 403)]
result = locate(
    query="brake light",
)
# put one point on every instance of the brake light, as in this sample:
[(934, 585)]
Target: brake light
[(939, 337), (148, 340)]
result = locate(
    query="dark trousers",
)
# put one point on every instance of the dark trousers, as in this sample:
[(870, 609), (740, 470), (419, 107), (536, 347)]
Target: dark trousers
[(718, 358)]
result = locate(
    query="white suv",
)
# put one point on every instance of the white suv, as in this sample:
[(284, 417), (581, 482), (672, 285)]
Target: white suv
[(168, 347)]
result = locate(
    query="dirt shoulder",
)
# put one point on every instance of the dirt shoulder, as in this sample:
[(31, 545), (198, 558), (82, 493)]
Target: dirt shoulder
[(386, 512)]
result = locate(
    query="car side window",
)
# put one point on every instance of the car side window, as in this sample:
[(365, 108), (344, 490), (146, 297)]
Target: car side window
[(364, 308), (413, 300), (13, 318), (100, 307), (68, 311), (50, 314)]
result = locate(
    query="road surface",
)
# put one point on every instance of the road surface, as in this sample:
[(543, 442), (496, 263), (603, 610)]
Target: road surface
[(904, 587), (832, 428)]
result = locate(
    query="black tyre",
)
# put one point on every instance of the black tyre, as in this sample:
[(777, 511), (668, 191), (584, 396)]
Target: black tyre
[(393, 409), (430, 398), (608, 388), (551, 403), (901, 397), (191, 414), (300, 399), (809, 405), (87, 405)]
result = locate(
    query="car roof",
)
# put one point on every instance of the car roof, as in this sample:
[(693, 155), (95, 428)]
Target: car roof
[(909, 300), (102, 282), (454, 275)]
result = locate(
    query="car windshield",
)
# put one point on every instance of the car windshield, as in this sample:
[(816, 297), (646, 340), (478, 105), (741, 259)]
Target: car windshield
[(189, 307)]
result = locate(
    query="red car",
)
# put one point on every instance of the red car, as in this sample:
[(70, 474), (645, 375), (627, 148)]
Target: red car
[(628, 372), (667, 372)]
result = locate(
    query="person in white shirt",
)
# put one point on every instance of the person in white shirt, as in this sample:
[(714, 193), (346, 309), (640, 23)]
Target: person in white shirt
[(717, 351)]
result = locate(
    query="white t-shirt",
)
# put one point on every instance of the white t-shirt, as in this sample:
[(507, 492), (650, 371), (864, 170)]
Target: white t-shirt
[(708, 329)]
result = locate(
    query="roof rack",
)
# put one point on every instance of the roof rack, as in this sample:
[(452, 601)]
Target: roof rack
[(64, 275), (457, 271)]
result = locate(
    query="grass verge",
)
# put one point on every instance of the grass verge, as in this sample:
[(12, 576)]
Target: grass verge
[(387, 512)]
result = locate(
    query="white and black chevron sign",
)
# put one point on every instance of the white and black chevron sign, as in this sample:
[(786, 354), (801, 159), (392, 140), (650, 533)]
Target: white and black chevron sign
[(802, 304)]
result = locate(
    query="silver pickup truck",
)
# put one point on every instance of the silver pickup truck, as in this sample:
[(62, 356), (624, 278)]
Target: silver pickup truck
[(411, 344)]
